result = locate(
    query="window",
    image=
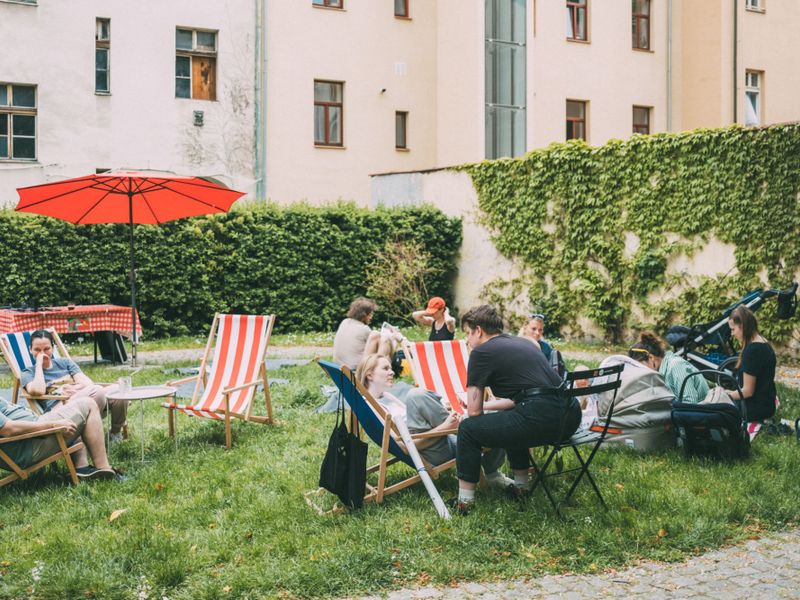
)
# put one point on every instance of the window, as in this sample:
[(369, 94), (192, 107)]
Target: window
[(102, 49), (576, 120), (401, 8), (328, 113), (576, 19), (17, 122), (641, 119), (641, 24), (752, 105), (400, 130), (757, 5), (505, 95), (329, 3), (196, 64)]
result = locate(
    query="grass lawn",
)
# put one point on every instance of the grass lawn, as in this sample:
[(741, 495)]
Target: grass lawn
[(203, 522)]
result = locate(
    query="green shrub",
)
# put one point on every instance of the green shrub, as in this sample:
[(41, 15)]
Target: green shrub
[(303, 263), (564, 212)]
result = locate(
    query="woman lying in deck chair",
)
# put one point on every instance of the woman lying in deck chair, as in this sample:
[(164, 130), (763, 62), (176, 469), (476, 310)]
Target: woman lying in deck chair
[(423, 411)]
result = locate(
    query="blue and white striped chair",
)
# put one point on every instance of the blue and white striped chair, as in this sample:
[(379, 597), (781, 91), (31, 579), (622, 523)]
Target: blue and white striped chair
[(16, 352)]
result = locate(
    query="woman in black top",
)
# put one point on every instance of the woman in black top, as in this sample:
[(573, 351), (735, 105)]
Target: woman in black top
[(443, 326), (756, 366)]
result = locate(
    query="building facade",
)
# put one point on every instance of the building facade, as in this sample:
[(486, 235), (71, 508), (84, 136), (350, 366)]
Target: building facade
[(95, 85), (306, 99)]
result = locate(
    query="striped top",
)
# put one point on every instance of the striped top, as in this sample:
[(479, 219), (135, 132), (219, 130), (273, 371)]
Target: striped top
[(674, 370)]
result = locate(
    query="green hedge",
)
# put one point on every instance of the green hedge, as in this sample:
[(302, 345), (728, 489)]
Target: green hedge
[(304, 264), (564, 212)]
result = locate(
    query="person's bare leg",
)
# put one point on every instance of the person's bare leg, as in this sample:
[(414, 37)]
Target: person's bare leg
[(93, 437)]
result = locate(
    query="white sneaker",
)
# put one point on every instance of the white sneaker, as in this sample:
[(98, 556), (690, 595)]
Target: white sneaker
[(499, 480), (114, 438)]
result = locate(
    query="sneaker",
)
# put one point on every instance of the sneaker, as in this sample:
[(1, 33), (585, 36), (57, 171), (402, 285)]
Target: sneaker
[(462, 509), (517, 493), (92, 473), (499, 480), (115, 438)]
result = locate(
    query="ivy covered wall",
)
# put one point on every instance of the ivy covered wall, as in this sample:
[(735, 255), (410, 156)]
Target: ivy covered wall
[(565, 212)]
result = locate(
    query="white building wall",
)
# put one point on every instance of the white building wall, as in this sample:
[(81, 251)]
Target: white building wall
[(140, 124)]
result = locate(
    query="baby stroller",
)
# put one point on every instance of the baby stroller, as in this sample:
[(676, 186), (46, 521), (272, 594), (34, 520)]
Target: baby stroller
[(715, 430), (707, 346)]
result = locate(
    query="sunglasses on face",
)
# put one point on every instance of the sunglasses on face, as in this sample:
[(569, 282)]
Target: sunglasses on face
[(536, 316)]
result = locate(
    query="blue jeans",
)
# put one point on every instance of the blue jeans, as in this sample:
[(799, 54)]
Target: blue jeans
[(539, 421)]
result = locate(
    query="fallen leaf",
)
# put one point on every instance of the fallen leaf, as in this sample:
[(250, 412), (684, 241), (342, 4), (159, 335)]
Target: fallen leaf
[(619, 486), (227, 589)]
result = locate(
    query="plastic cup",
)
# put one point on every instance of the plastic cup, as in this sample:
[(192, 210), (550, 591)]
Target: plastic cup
[(124, 384)]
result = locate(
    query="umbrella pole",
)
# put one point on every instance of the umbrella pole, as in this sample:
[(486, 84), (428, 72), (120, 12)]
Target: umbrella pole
[(133, 282)]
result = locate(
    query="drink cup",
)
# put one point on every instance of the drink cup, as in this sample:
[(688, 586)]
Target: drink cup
[(124, 384)]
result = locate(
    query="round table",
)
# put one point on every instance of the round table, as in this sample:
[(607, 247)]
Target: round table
[(142, 393)]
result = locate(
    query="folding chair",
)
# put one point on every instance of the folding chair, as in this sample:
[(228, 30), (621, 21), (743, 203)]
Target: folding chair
[(17, 354), (610, 382), (64, 452), (377, 423), (440, 367), (240, 347)]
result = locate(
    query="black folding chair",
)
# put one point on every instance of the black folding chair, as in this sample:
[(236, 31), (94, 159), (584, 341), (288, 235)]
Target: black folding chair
[(610, 381)]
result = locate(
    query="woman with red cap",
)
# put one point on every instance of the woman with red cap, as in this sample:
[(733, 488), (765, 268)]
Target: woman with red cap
[(443, 326)]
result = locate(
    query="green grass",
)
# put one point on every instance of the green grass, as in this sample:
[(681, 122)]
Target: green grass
[(203, 522)]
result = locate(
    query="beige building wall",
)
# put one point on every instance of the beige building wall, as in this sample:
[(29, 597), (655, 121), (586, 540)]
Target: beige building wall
[(140, 124), (370, 50)]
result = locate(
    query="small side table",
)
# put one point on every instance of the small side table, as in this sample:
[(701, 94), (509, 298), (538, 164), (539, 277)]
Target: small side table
[(142, 393)]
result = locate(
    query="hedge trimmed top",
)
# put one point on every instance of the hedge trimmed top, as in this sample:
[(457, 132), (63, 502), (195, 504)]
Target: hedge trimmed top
[(302, 263), (564, 211)]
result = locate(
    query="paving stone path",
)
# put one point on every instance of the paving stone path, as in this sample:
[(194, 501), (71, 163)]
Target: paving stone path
[(768, 568)]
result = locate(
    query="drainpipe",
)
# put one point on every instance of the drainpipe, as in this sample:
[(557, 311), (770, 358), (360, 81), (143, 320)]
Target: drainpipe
[(669, 65), (735, 55), (261, 100)]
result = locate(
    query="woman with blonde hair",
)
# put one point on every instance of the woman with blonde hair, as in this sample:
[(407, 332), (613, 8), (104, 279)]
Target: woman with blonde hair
[(422, 411), (755, 368), (650, 351)]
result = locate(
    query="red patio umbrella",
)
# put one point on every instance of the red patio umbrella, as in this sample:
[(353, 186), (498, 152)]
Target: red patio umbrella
[(146, 197)]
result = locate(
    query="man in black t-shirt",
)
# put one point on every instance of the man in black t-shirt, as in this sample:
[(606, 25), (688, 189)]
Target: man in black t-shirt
[(531, 412)]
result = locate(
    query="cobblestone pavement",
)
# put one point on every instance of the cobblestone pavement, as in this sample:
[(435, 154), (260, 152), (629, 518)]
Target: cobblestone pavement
[(758, 569)]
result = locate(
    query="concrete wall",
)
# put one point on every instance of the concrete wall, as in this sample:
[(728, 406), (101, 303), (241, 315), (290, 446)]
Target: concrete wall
[(140, 124)]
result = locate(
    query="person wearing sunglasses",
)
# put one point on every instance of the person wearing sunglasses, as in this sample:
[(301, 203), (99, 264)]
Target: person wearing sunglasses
[(649, 351)]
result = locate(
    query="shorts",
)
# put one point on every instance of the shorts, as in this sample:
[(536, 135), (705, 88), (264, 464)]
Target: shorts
[(76, 411)]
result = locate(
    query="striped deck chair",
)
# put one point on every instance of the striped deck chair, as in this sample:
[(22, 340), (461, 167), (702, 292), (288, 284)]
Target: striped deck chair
[(377, 423), (440, 367), (17, 354), (240, 347)]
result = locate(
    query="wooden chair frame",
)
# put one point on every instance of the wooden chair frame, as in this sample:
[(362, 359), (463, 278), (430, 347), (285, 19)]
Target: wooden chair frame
[(377, 423), (201, 380), (64, 452)]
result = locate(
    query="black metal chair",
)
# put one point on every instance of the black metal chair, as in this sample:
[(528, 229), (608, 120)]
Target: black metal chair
[(583, 438)]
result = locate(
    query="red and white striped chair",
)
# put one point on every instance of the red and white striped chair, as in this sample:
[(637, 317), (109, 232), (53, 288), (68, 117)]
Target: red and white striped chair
[(240, 347), (440, 367)]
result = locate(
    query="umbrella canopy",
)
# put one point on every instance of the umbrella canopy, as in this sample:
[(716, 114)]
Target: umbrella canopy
[(145, 197), (133, 197)]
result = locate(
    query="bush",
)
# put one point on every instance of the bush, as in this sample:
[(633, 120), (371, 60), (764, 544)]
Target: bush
[(303, 263)]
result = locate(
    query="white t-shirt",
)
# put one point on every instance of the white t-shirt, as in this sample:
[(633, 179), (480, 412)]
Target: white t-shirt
[(349, 343)]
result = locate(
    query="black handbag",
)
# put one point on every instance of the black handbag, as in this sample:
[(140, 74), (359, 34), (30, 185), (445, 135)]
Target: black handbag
[(344, 468)]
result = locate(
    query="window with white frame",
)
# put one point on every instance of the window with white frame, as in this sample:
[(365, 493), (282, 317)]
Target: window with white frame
[(752, 106), (102, 51), (196, 64), (754, 5), (329, 3), (17, 122), (328, 108)]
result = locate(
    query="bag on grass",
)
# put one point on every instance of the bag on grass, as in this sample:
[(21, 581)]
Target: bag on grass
[(344, 468)]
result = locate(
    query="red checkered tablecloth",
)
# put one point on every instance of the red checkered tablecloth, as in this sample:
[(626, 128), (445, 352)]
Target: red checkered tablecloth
[(86, 318)]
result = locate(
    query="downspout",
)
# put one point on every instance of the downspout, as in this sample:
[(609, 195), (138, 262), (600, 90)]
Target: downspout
[(261, 100), (735, 56), (669, 65)]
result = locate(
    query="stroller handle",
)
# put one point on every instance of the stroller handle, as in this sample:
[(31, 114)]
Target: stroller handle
[(719, 375)]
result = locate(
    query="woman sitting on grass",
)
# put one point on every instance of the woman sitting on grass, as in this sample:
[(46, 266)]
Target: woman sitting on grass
[(649, 351), (422, 411), (755, 368)]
